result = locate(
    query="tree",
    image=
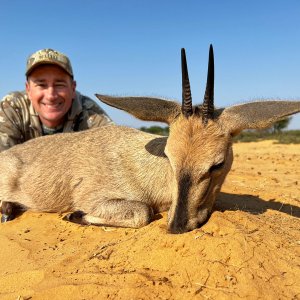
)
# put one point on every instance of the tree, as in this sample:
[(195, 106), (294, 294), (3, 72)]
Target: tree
[(156, 130), (280, 125)]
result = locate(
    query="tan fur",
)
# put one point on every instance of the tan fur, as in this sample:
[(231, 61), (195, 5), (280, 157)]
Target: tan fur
[(121, 176), (194, 148)]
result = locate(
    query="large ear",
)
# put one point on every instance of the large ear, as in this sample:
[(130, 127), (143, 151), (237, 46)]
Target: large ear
[(145, 108), (257, 115)]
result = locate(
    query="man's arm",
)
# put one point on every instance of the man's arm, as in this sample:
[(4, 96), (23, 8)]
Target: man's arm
[(10, 120)]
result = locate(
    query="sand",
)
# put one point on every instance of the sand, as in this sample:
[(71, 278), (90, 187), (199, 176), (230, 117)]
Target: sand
[(249, 248)]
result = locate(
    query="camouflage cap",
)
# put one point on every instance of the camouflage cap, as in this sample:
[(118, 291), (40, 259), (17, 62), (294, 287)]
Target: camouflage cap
[(48, 56)]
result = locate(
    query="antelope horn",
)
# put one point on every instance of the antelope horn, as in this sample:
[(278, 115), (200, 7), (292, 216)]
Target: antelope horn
[(208, 102), (186, 108)]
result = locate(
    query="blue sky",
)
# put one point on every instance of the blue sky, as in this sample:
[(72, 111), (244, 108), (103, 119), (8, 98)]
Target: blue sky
[(133, 47)]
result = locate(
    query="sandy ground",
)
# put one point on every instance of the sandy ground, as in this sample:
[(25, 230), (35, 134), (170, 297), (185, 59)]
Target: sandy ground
[(249, 248)]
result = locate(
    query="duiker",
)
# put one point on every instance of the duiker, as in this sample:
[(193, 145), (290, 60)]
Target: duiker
[(120, 176)]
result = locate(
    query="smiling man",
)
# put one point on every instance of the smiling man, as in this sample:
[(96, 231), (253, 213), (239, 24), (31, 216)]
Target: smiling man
[(51, 91), (50, 103)]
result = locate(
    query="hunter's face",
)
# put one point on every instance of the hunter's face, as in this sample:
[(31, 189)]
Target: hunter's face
[(51, 91)]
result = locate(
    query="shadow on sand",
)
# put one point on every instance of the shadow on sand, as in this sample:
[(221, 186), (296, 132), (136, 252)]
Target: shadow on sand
[(253, 204)]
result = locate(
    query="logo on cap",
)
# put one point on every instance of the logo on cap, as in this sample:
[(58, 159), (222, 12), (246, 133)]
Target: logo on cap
[(48, 56)]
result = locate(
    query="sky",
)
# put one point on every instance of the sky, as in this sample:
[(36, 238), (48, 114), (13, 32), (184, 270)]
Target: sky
[(132, 47)]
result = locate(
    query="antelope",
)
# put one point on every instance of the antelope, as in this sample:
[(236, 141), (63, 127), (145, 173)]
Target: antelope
[(120, 176)]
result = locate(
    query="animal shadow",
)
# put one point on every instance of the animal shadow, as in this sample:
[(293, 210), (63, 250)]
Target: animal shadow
[(253, 204)]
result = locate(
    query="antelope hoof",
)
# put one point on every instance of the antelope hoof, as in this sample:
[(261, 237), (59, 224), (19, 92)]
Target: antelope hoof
[(75, 217), (5, 218)]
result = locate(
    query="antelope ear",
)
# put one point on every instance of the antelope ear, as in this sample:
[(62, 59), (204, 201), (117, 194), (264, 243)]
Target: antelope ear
[(257, 115), (145, 108)]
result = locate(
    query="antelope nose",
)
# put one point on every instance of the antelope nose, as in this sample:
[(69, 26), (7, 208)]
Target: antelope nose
[(177, 230), (177, 227)]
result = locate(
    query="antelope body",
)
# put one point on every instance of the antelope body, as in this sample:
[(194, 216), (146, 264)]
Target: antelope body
[(120, 176)]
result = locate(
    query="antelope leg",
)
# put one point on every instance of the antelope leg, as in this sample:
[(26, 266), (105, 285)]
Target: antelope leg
[(115, 212), (8, 211)]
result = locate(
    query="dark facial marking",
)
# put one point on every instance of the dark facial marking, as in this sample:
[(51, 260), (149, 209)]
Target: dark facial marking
[(216, 167), (180, 220)]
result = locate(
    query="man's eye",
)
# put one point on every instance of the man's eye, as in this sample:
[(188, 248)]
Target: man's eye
[(60, 85), (216, 167)]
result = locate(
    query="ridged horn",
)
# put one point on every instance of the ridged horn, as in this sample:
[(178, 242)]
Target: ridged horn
[(187, 108), (208, 102)]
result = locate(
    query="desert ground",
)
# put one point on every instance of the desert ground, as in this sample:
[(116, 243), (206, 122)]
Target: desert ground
[(249, 248)]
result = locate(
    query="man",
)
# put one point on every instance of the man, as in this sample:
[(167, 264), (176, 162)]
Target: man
[(49, 105)]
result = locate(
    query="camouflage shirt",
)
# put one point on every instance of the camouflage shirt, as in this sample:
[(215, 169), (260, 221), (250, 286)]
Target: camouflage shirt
[(19, 122)]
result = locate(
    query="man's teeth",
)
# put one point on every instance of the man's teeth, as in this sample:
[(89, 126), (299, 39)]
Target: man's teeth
[(52, 105)]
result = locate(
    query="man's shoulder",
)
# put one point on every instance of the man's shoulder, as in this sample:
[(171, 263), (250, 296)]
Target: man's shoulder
[(15, 100), (92, 114), (89, 104)]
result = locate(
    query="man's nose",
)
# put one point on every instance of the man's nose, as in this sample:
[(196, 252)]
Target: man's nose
[(51, 93)]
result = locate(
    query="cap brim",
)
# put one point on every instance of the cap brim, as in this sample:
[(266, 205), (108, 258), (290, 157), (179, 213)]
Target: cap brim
[(47, 63)]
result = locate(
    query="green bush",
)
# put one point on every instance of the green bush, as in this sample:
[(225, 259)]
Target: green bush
[(282, 137), (156, 130)]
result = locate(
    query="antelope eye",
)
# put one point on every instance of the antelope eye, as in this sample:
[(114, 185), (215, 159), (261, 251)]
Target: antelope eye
[(216, 167)]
